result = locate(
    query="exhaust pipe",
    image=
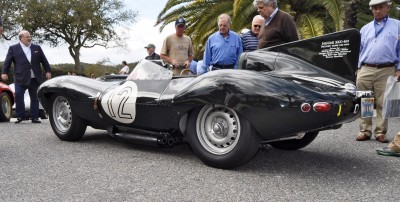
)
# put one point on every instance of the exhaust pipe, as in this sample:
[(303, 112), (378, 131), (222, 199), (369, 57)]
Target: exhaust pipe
[(164, 140)]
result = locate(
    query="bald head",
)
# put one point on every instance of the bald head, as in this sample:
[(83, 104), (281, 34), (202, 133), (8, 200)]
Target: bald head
[(25, 37)]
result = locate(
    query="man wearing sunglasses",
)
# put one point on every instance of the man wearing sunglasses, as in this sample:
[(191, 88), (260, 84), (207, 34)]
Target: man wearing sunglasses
[(250, 38)]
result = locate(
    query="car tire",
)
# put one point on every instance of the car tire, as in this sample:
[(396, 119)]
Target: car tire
[(220, 137), (5, 107), (66, 123), (295, 144)]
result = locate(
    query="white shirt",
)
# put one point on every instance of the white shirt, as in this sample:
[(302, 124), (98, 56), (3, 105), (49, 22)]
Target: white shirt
[(125, 69), (27, 51)]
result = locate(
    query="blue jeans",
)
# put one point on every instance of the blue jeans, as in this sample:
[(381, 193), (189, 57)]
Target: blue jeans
[(19, 99)]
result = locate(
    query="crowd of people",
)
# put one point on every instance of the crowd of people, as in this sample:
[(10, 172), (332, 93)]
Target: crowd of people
[(379, 57)]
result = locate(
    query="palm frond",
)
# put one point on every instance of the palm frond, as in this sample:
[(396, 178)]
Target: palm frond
[(310, 26), (334, 8)]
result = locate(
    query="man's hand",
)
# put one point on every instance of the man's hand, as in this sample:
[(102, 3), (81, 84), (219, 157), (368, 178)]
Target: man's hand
[(174, 63), (48, 75), (187, 64), (4, 77)]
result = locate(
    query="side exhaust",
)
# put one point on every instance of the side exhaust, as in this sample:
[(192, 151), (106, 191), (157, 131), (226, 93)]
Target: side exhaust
[(146, 138)]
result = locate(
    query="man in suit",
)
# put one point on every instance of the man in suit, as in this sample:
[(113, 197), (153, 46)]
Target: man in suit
[(27, 58)]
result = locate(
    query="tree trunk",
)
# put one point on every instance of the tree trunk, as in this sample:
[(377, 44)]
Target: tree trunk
[(350, 14), (75, 53)]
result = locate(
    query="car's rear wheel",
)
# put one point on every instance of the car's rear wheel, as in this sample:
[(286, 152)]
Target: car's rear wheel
[(220, 137), (66, 123), (296, 144), (5, 107)]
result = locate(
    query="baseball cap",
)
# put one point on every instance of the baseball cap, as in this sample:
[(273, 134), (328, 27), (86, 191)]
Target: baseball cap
[(150, 46), (180, 21), (376, 2)]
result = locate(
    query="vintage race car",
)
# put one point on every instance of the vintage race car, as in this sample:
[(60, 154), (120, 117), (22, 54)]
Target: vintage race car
[(6, 102), (282, 96)]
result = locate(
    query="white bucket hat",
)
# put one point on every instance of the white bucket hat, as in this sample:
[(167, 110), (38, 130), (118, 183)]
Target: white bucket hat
[(376, 2)]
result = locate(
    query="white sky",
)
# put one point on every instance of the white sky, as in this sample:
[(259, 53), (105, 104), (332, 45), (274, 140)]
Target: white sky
[(141, 33)]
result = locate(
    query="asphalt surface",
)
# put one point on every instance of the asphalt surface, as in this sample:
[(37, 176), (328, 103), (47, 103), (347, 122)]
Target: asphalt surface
[(36, 166)]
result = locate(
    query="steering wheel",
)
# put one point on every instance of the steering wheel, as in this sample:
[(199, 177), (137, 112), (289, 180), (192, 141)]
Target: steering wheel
[(186, 72)]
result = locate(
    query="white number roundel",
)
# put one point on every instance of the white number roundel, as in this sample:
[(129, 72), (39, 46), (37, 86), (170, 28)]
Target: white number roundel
[(120, 103)]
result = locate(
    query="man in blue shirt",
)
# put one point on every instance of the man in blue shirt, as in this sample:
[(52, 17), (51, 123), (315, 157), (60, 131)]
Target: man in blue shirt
[(379, 57), (223, 48)]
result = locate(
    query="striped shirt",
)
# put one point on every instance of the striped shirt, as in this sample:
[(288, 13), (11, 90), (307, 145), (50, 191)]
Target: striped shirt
[(250, 41)]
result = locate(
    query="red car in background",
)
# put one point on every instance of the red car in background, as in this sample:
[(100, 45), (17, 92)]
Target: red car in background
[(6, 102)]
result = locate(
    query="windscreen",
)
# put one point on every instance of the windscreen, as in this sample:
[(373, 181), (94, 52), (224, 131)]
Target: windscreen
[(148, 70)]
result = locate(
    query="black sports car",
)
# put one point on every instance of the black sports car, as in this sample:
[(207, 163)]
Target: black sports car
[(282, 96)]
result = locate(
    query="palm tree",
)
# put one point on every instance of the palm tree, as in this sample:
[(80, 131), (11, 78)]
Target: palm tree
[(351, 10)]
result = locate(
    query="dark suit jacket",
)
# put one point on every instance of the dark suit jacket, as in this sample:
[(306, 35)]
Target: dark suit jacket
[(22, 67), (153, 56)]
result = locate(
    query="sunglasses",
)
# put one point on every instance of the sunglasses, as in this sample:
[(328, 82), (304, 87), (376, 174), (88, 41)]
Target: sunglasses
[(257, 26)]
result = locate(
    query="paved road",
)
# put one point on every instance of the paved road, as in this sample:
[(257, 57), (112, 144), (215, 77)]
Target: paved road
[(36, 166)]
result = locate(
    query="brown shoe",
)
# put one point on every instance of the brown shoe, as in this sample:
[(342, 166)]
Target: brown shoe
[(363, 136), (382, 138)]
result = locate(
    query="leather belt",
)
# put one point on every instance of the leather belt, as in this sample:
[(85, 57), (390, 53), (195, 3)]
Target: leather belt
[(217, 66), (380, 65)]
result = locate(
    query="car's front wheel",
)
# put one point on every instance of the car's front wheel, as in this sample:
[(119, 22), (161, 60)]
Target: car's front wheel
[(295, 144), (220, 137), (66, 123), (5, 107)]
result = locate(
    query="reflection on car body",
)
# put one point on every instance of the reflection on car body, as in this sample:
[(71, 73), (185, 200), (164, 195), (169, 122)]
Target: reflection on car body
[(282, 96), (109, 78)]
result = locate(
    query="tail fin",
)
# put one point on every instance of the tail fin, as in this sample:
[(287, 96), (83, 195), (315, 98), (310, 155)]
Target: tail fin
[(336, 52)]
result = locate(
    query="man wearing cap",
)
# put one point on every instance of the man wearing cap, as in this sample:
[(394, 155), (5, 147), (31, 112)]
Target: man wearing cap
[(379, 57), (151, 51), (224, 47), (177, 48)]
